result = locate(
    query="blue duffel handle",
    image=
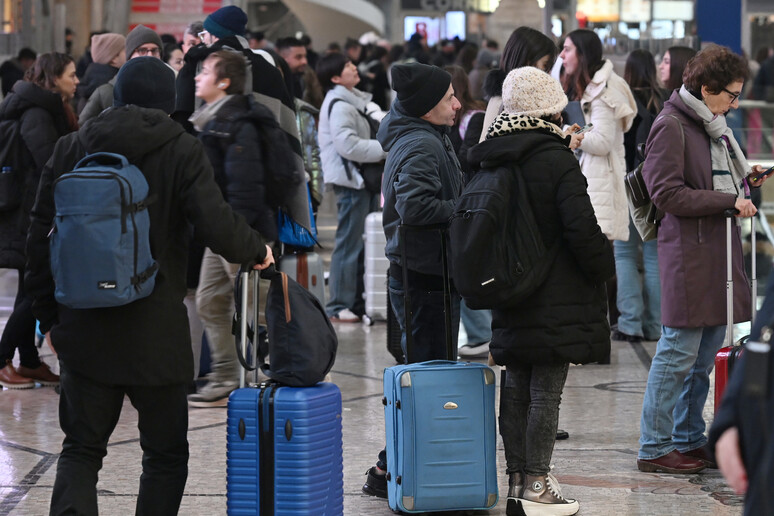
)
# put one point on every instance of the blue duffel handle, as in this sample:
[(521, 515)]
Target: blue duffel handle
[(440, 362), (97, 157)]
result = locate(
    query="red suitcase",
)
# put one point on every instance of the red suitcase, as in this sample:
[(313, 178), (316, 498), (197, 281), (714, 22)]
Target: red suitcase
[(728, 355)]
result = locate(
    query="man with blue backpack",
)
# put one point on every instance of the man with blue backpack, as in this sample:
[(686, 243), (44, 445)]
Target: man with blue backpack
[(115, 314)]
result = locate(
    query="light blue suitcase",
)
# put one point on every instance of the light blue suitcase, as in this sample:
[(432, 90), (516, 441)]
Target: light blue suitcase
[(441, 436), (440, 429)]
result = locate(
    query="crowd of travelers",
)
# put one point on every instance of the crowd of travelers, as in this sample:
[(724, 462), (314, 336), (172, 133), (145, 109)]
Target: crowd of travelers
[(209, 117)]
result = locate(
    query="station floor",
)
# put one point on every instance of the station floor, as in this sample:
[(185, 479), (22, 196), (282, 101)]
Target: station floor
[(596, 465)]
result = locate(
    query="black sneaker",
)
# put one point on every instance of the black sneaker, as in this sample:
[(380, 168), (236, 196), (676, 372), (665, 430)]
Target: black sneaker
[(376, 484)]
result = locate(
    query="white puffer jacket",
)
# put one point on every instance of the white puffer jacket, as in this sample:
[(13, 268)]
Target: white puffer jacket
[(607, 103), (346, 134)]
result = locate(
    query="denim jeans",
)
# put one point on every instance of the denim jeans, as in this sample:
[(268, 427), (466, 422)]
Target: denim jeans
[(347, 261), (678, 383), (478, 324), (88, 413), (638, 296), (427, 323), (19, 331), (529, 415)]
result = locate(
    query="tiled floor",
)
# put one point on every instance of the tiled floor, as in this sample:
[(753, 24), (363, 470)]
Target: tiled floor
[(600, 409)]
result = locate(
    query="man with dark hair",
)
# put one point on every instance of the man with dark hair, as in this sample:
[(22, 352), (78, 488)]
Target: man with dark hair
[(225, 29), (141, 350), (422, 181), (13, 69), (191, 36), (294, 54)]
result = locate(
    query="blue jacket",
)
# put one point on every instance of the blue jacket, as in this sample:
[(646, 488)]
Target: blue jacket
[(422, 181)]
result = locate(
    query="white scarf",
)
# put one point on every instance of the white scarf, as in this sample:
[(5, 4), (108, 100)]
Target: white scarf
[(729, 166)]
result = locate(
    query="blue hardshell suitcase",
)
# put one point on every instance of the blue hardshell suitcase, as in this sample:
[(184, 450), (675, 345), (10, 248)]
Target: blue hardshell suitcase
[(440, 422), (285, 451), (441, 436)]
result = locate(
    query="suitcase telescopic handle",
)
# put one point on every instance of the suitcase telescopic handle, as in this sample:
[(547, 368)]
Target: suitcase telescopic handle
[(244, 276), (730, 215)]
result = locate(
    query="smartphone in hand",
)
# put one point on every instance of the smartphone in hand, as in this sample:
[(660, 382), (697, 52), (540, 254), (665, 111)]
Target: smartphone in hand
[(586, 128), (763, 174)]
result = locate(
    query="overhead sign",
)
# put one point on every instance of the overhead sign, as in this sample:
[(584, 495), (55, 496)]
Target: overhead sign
[(599, 10), (635, 11), (481, 6)]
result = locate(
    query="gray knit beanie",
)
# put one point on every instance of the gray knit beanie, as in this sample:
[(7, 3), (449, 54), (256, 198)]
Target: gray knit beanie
[(139, 36), (532, 92)]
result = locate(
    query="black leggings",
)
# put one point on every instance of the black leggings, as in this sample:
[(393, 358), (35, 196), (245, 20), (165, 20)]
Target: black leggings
[(20, 331)]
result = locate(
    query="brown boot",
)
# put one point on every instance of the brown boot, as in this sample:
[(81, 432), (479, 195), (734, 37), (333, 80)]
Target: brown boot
[(10, 379), (41, 374), (542, 495)]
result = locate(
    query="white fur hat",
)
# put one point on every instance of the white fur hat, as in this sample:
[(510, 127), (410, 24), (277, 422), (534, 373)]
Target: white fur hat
[(532, 92)]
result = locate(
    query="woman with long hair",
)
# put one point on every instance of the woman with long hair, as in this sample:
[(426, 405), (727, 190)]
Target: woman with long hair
[(608, 104), (639, 297), (670, 70), (41, 105), (345, 141)]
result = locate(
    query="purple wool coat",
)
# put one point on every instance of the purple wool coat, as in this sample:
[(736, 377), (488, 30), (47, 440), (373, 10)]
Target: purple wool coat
[(692, 234)]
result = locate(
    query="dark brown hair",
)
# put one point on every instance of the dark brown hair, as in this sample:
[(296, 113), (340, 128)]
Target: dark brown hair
[(47, 68), (589, 49), (230, 65), (714, 67), (640, 74), (678, 59), (461, 87), (525, 47)]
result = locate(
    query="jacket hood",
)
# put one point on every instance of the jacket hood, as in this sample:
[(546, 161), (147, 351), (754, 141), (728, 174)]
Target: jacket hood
[(398, 122), (96, 75), (26, 95), (513, 147), (129, 130)]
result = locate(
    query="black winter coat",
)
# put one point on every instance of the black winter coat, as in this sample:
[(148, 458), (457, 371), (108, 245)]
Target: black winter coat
[(146, 342), (243, 143), (566, 319), (96, 75), (43, 121)]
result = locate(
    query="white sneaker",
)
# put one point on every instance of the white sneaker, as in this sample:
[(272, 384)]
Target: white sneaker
[(474, 350), (345, 316)]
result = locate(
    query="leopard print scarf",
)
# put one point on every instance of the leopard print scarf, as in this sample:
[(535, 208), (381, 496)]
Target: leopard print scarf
[(507, 123)]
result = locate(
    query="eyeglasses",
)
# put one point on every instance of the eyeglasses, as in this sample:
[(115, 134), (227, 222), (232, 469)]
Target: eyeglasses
[(202, 34), (148, 51), (734, 96)]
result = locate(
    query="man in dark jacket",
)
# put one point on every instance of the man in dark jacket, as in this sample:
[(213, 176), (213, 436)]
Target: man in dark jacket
[(244, 145), (13, 69), (422, 181), (224, 29), (141, 349)]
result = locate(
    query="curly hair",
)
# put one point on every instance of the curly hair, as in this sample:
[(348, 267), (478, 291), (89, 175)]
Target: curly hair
[(714, 67)]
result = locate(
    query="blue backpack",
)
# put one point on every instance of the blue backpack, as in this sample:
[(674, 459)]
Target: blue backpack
[(100, 243)]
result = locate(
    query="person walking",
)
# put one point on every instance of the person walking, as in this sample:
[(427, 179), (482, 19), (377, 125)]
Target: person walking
[(564, 321), (41, 104), (243, 144), (694, 170), (345, 141), (140, 350)]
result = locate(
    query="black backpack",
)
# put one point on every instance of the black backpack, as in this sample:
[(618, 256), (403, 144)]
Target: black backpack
[(16, 165), (498, 257)]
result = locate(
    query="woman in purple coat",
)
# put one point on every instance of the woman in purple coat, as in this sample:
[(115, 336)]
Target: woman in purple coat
[(694, 171)]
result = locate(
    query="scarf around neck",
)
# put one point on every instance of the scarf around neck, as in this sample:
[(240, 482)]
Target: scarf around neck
[(729, 166), (511, 123), (207, 112)]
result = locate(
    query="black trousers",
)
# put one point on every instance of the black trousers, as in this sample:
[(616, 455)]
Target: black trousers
[(19, 331), (88, 413)]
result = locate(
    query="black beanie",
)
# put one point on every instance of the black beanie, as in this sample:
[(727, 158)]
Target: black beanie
[(419, 86), (146, 82)]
